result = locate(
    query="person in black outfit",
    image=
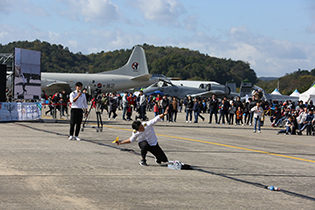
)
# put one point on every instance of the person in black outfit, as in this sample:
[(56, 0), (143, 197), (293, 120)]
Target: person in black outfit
[(189, 109), (64, 103), (213, 106), (165, 103), (227, 106)]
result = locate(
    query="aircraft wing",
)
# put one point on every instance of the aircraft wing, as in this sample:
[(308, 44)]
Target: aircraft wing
[(201, 94), (209, 93), (144, 77), (59, 85), (217, 92)]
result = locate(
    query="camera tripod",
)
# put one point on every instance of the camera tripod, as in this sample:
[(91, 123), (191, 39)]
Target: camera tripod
[(97, 106)]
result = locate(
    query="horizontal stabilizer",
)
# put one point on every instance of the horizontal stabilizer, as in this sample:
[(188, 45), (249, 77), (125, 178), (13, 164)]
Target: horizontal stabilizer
[(144, 77)]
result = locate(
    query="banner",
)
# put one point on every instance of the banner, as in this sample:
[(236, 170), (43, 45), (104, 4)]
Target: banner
[(27, 83), (20, 111)]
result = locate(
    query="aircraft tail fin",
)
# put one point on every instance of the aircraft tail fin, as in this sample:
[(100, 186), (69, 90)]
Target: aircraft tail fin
[(246, 88), (136, 65), (232, 86)]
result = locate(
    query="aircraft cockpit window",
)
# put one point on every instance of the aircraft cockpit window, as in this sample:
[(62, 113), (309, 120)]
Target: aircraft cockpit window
[(201, 86), (162, 84), (208, 87)]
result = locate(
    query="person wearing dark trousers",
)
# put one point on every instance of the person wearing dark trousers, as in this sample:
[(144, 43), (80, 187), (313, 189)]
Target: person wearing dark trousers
[(64, 103), (237, 104), (223, 112), (165, 103), (196, 109), (189, 108), (147, 139), (78, 103), (213, 107), (142, 105), (175, 105)]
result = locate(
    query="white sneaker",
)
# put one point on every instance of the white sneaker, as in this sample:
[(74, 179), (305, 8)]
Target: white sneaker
[(108, 118), (77, 138), (254, 131), (259, 131), (186, 121), (70, 137), (250, 124), (189, 121)]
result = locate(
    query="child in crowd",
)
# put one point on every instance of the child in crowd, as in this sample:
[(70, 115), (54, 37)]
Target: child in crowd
[(129, 112), (239, 116), (156, 109)]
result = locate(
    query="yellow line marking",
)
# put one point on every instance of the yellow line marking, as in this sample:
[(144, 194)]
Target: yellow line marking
[(236, 147), (256, 137), (223, 145)]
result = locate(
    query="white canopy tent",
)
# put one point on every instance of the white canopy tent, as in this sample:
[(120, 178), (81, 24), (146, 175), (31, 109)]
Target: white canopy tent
[(276, 92), (295, 93), (308, 95)]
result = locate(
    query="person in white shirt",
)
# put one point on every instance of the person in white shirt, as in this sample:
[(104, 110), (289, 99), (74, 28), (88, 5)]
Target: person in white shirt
[(258, 112), (147, 139), (78, 103)]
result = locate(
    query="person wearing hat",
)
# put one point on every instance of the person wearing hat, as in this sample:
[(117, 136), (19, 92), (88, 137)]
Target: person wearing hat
[(147, 140)]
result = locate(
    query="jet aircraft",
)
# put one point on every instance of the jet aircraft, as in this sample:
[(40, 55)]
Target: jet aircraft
[(133, 74), (168, 88)]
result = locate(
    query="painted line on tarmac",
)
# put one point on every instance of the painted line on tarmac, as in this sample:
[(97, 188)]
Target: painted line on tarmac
[(236, 147), (223, 145), (256, 137), (200, 170)]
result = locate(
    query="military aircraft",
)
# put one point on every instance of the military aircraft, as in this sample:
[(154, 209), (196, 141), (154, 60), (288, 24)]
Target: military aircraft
[(191, 83), (168, 88), (203, 84), (276, 97), (133, 74)]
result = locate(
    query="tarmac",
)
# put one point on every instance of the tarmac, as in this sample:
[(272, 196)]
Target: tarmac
[(231, 167)]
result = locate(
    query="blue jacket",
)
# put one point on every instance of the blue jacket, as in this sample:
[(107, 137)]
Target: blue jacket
[(196, 107)]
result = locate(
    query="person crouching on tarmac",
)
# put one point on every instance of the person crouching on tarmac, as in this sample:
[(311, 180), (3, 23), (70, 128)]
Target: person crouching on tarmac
[(147, 139)]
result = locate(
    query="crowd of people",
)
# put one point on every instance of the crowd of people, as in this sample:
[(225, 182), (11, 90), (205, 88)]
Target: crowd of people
[(295, 118)]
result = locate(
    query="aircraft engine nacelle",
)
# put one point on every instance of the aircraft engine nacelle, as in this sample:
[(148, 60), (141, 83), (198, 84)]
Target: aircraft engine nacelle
[(218, 89)]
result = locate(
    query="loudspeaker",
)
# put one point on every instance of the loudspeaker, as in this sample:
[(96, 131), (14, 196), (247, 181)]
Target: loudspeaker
[(3, 82)]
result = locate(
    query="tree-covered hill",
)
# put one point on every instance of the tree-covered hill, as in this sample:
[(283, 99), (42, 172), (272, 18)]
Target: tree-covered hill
[(300, 80), (171, 61)]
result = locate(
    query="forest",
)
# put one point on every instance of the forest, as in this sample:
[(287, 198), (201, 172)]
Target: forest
[(300, 80), (181, 63)]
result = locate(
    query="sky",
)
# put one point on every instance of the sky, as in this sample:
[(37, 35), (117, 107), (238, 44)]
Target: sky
[(274, 36)]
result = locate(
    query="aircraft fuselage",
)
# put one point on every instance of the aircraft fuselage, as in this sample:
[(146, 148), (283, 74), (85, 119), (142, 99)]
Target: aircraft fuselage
[(102, 82)]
